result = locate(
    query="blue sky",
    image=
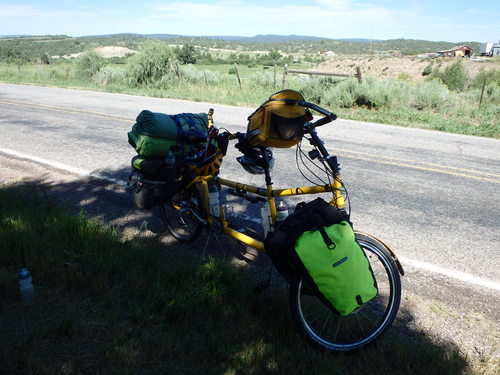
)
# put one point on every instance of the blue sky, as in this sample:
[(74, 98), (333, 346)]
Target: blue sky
[(435, 20)]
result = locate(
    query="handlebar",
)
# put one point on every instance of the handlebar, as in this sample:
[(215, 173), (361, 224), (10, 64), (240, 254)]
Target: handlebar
[(323, 121), (328, 116)]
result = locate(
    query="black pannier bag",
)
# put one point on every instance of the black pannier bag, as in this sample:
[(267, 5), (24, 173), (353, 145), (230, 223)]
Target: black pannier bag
[(156, 183), (317, 243)]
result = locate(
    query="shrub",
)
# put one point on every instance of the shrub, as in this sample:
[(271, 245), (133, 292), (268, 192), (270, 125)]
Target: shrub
[(194, 75), (427, 70), (89, 64), (403, 76), (154, 60), (109, 76), (429, 95), (262, 79), (491, 77), (455, 77)]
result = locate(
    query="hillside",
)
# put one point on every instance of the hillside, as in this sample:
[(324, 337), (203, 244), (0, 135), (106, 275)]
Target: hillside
[(32, 47)]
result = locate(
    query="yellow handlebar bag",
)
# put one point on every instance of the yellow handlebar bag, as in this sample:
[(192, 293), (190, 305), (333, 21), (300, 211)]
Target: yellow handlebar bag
[(278, 122)]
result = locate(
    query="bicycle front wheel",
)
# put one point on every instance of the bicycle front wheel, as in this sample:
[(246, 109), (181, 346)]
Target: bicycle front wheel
[(328, 330), (182, 215)]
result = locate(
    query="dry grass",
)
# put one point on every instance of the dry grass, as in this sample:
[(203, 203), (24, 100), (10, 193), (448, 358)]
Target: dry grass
[(394, 66)]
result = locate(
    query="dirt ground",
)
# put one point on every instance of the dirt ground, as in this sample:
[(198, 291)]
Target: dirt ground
[(406, 68), (107, 52)]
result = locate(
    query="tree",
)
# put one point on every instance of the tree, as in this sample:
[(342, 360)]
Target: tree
[(187, 54), (154, 60), (275, 56)]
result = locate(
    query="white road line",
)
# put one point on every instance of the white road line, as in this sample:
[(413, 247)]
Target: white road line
[(454, 274), (64, 167)]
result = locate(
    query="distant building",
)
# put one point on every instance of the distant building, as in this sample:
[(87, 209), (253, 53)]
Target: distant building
[(459, 51), (490, 49), (496, 50), (486, 49)]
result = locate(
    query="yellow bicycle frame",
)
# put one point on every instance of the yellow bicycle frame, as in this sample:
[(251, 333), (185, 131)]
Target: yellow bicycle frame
[(201, 182)]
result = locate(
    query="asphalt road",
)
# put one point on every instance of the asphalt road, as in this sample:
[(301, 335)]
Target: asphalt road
[(433, 197)]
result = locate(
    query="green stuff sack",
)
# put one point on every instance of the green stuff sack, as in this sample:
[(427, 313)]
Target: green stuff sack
[(148, 146), (154, 134), (337, 267)]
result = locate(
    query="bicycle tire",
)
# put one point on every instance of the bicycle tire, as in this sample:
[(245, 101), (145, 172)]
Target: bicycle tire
[(327, 330), (178, 215)]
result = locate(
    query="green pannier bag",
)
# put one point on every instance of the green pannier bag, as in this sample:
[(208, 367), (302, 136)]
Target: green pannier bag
[(337, 266)]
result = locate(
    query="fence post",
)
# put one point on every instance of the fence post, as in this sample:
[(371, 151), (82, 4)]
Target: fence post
[(285, 73), (482, 92), (358, 74), (237, 74), (274, 84)]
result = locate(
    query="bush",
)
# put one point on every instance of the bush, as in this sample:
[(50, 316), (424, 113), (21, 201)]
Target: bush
[(491, 77), (429, 95), (154, 60), (89, 64), (186, 54), (108, 76), (455, 77), (194, 75), (427, 70)]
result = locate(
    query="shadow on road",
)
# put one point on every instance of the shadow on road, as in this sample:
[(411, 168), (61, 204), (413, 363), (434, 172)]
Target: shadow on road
[(254, 347)]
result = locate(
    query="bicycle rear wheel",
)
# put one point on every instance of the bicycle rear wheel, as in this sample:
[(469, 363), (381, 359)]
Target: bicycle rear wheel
[(182, 215), (327, 330)]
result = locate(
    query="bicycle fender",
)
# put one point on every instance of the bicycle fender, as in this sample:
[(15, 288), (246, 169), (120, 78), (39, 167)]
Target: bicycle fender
[(393, 254)]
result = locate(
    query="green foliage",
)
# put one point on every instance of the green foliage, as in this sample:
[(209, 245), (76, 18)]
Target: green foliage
[(89, 64), (403, 76), (186, 54), (454, 76), (429, 96), (45, 58), (154, 60), (62, 44), (427, 70), (488, 76)]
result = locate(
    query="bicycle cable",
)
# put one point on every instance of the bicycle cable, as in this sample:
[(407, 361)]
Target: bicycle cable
[(323, 167)]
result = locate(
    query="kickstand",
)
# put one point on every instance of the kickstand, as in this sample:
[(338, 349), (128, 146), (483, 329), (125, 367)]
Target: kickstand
[(207, 241)]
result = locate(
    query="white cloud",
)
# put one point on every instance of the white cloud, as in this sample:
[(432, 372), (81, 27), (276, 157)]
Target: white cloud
[(28, 12), (327, 18)]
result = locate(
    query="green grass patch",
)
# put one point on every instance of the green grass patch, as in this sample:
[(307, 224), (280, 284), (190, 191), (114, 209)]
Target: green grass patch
[(106, 304)]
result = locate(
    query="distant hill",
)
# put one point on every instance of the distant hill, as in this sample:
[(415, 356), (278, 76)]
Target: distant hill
[(268, 38), (58, 45)]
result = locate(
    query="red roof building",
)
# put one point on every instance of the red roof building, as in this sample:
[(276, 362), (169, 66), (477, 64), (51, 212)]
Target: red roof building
[(459, 51)]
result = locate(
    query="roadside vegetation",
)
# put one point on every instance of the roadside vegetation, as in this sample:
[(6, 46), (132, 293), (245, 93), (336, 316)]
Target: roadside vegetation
[(448, 98), (114, 305)]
